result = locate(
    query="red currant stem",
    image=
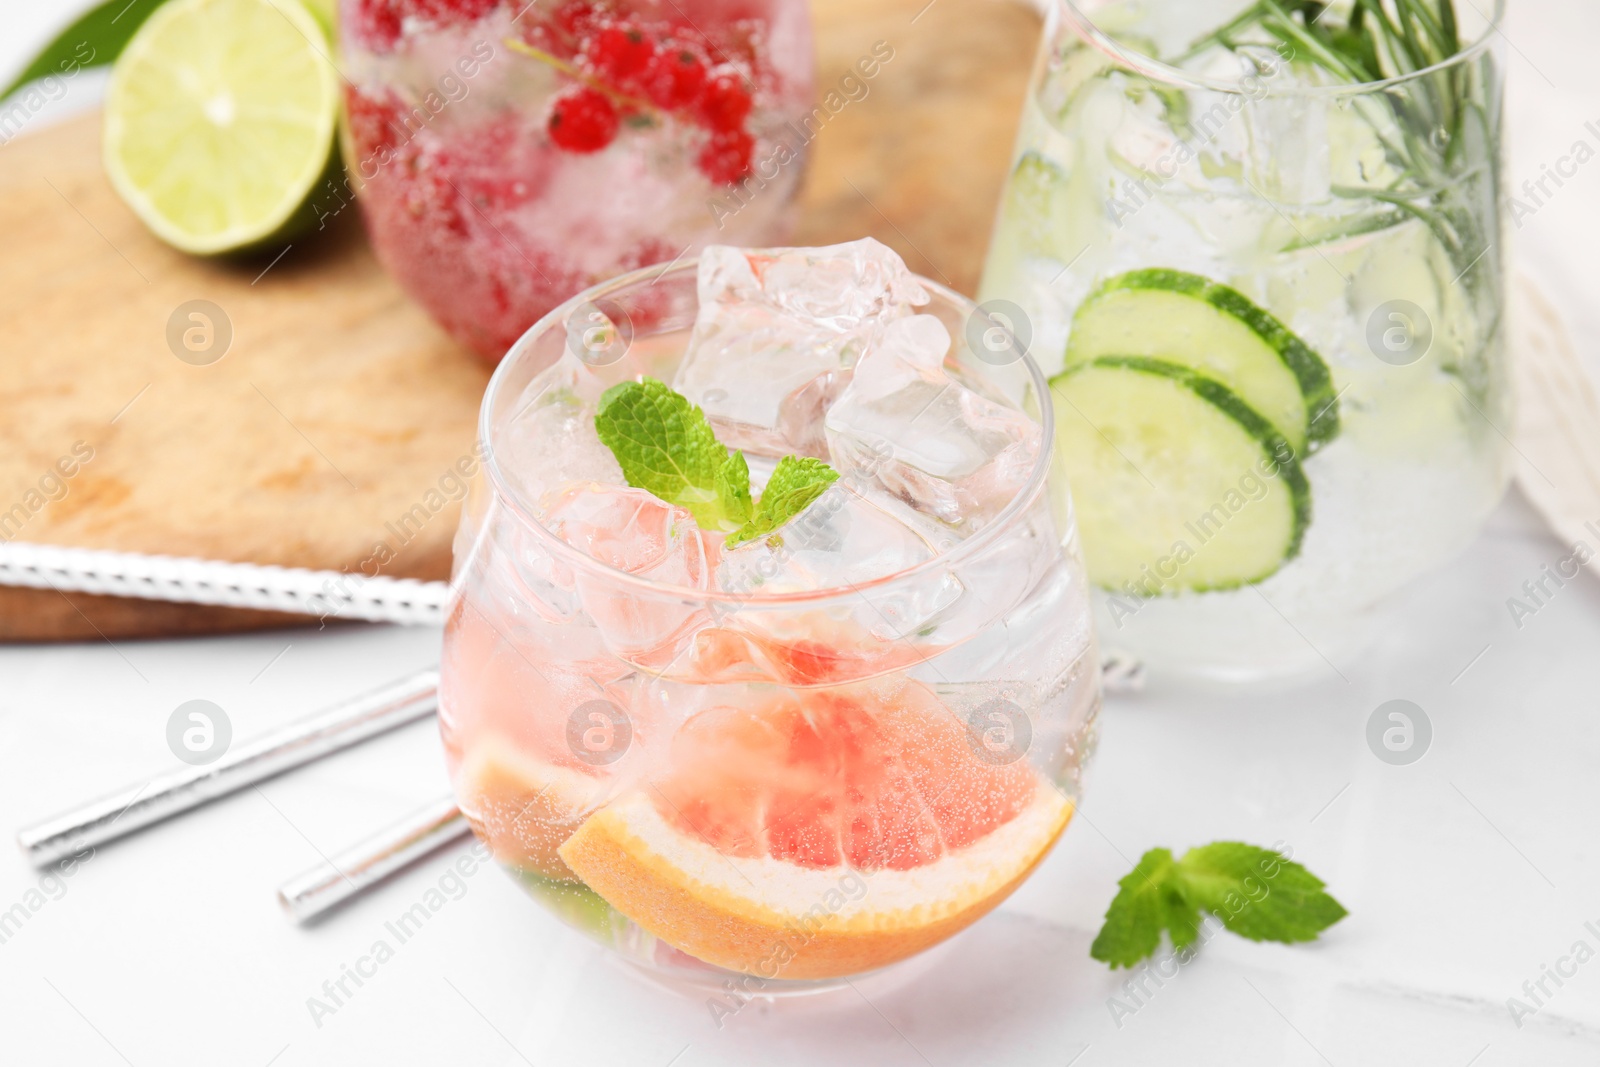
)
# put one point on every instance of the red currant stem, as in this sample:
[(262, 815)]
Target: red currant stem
[(632, 103)]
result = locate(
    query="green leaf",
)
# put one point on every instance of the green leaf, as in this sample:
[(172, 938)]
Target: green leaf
[(795, 484), (1138, 912), (665, 445), (1447, 24), (733, 486), (1257, 893), (1182, 916), (94, 40)]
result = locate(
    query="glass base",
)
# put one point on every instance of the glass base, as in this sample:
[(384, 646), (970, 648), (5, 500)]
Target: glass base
[(649, 957), (1234, 639), (727, 991)]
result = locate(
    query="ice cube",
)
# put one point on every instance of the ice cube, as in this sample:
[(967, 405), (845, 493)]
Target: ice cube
[(513, 567), (778, 332), (845, 541), (631, 530), (1027, 676), (1037, 641), (998, 576), (550, 441), (906, 424), (844, 538), (1296, 170)]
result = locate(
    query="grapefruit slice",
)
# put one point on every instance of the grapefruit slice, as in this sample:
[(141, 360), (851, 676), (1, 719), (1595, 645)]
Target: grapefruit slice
[(823, 652), (523, 808), (507, 715), (820, 834)]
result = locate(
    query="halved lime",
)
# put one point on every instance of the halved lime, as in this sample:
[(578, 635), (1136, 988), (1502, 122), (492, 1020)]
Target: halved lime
[(220, 120), (327, 13)]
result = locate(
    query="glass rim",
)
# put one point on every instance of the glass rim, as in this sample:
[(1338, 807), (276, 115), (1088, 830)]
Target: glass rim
[(1015, 510), (1156, 70)]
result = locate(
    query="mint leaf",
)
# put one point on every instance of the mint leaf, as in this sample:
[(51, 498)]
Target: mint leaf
[(1138, 912), (1255, 892), (733, 486), (1182, 916), (796, 483), (665, 445)]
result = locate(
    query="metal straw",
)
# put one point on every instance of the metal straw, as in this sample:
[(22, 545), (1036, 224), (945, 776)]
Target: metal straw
[(185, 580), (369, 862), (311, 738)]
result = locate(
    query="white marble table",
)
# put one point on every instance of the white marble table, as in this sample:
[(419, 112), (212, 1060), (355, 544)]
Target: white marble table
[(1466, 873)]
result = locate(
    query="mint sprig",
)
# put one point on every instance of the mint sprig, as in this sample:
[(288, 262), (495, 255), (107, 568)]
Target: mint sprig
[(1257, 893), (665, 445), (795, 484)]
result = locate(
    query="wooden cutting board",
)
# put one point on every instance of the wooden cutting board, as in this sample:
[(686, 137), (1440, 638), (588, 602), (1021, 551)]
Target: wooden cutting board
[(338, 406)]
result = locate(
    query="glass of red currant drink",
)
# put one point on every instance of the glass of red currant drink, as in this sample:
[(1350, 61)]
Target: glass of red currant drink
[(510, 154)]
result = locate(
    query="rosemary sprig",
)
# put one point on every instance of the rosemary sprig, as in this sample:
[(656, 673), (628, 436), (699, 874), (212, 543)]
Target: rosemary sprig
[(1422, 123)]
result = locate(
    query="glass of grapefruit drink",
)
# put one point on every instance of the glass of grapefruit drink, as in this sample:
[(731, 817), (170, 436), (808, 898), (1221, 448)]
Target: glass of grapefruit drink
[(509, 154), (769, 654)]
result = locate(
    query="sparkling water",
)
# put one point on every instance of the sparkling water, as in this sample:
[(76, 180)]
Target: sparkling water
[(1285, 195)]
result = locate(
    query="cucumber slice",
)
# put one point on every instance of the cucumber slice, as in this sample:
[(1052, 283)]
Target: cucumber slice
[(1193, 321), (1034, 215), (1177, 483)]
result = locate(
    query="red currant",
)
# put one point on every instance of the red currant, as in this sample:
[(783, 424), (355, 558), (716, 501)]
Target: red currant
[(575, 17), (582, 119), (675, 79), (447, 12), (373, 121), (725, 102), (622, 54), (726, 157), (375, 24)]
